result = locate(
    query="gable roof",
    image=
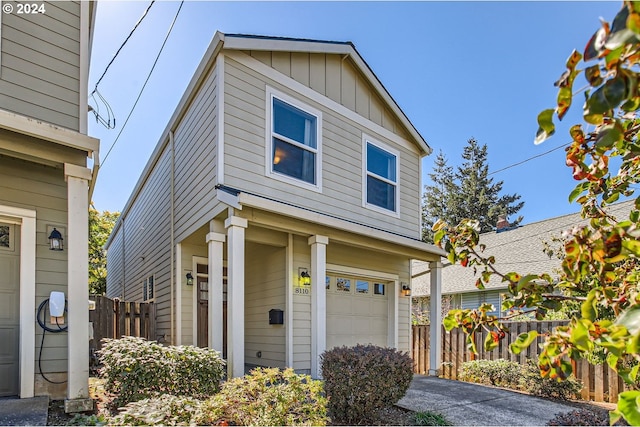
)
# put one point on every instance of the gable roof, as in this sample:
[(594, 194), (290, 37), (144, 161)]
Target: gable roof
[(519, 249)]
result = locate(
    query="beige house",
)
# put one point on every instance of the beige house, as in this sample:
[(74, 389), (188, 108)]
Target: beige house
[(280, 211), (44, 186)]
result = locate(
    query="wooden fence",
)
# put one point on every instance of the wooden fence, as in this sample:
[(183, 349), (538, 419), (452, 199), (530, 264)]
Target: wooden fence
[(115, 319), (600, 383)]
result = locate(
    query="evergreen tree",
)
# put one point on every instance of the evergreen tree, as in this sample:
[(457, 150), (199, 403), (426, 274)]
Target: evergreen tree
[(467, 193), (436, 197)]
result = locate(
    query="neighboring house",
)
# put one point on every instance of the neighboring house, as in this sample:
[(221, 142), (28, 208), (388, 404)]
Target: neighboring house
[(519, 249), (280, 210), (44, 186)]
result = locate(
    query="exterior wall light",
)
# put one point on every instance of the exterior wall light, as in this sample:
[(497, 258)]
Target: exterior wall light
[(56, 241), (406, 290), (303, 276), (189, 279)]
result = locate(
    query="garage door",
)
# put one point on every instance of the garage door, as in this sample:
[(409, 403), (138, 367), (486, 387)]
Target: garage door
[(9, 309), (357, 311)]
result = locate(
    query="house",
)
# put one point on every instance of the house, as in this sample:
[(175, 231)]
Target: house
[(520, 249), (280, 210), (44, 192)]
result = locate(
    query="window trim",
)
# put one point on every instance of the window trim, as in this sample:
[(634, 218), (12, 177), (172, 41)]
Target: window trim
[(366, 139), (145, 288), (269, 135)]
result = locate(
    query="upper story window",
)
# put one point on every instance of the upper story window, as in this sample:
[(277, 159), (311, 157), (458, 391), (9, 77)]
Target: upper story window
[(381, 164), (294, 142), (148, 289)]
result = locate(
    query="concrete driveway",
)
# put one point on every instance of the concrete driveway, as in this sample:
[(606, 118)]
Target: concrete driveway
[(466, 404), (24, 412)]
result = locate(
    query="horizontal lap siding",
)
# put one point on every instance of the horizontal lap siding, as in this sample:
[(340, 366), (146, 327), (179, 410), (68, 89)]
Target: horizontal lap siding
[(40, 64), (43, 189), (115, 272), (265, 290), (188, 291), (195, 141), (147, 249), (245, 139), (301, 310)]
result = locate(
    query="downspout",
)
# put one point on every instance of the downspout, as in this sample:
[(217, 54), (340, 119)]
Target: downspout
[(173, 273)]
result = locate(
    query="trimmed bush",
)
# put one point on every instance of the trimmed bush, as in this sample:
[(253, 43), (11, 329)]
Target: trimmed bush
[(499, 373), (267, 397), (361, 380), (533, 383), (135, 369), (164, 410), (584, 417)]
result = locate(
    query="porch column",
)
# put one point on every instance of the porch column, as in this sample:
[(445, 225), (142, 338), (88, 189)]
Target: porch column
[(235, 294), (435, 318), (215, 242), (318, 301), (77, 248)]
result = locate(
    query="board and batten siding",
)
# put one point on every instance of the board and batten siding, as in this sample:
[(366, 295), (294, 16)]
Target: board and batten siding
[(41, 188), (195, 140), (40, 64), (264, 290), (245, 130), (146, 246)]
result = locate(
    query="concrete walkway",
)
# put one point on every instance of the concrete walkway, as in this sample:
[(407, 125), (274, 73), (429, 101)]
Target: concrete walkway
[(466, 404), (24, 412)]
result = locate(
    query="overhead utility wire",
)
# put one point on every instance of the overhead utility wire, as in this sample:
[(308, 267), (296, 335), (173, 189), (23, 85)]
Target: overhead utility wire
[(529, 159), (122, 45), (145, 82)]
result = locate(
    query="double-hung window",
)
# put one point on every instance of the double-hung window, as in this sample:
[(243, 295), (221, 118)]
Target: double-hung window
[(294, 142), (380, 177)]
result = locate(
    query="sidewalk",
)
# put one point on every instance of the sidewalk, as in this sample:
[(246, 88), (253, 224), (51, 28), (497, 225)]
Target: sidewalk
[(466, 404), (24, 412)]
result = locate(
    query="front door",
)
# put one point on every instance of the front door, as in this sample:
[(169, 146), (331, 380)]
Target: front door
[(202, 289), (9, 308)]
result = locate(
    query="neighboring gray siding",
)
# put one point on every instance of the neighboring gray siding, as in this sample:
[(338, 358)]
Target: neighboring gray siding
[(473, 300), (115, 262), (245, 123), (195, 141), (40, 63), (265, 290), (43, 189)]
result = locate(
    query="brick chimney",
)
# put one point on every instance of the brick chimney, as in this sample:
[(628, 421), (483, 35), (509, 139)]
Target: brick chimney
[(502, 223)]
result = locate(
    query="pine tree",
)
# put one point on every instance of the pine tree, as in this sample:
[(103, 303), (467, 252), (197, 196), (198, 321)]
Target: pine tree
[(467, 193), (436, 197)]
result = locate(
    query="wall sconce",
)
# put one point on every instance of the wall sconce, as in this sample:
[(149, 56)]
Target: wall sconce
[(303, 276), (189, 279), (406, 290), (56, 241)]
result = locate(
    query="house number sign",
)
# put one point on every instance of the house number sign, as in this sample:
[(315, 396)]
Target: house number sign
[(301, 289)]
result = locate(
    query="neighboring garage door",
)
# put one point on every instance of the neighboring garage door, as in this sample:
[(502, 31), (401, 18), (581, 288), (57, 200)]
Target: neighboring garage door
[(9, 308), (357, 311)]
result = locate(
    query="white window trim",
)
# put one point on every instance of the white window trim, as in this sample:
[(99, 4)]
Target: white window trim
[(366, 139), (145, 286), (269, 172)]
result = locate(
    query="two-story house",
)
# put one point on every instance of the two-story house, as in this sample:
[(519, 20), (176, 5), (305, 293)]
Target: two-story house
[(279, 212), (44, 197)]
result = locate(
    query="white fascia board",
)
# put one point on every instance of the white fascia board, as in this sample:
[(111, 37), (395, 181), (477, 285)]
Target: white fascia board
[(305, 215), (48, 132), (285, 45)]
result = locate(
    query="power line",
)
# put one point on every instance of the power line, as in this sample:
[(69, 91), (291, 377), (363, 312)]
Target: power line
[(145, 82), (529, 159)]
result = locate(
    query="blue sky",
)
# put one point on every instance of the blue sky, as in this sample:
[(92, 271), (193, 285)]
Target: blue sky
[(457, 69)]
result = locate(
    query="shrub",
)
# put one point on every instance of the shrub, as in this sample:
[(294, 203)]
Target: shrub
[(165, 410), (499, 373), (267, 397), (135, 369), (584, 417), (532, 382), (362, 380)]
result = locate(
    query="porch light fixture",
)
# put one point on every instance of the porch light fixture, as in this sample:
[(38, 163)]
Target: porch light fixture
[(303, 276), (189, 279), (56, 241), (406, 290)]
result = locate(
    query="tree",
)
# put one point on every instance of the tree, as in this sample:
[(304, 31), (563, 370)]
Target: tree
[(436, 197), (601, 263), (467, 193), (100, 226)]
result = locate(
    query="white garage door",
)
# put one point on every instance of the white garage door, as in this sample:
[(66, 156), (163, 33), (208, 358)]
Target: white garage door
[(357, 311)]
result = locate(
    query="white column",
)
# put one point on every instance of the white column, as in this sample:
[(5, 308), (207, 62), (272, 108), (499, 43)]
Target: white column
[(215, 242), (77, 247), (318, 301), (235, 295), (435, 318)]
